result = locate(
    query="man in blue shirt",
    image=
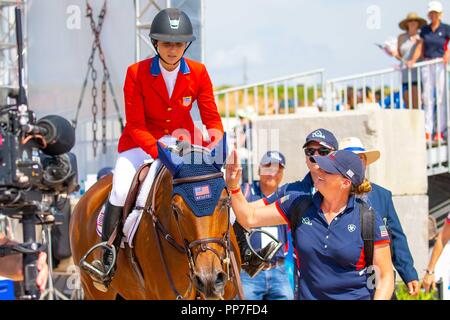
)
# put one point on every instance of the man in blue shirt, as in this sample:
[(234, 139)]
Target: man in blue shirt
[(381, 200), (319, 142), (272, 283)]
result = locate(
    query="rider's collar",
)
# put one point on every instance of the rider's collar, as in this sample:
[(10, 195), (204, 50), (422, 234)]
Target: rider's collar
[(156, 70)]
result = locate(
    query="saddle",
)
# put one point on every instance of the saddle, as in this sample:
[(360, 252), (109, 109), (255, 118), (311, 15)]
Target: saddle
[(132, 195)]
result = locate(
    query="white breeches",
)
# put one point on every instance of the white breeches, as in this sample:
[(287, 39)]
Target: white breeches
[(126, 167)]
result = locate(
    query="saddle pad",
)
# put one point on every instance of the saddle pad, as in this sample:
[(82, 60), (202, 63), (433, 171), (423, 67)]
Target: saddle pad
[(132, 222)]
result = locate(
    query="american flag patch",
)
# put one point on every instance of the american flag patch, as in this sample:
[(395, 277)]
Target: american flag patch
[(202, 192), (384, 232), (187, 101)]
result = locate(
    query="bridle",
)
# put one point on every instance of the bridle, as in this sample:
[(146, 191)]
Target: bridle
[(203, 244), (192, 248)]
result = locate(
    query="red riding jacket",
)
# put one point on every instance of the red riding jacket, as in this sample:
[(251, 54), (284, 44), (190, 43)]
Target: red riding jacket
[(150, 114)]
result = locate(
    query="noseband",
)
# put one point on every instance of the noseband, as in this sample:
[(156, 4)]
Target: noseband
[(194, 248)]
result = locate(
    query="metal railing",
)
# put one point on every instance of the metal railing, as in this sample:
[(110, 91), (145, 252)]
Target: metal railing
[(275, 96), (424, 86), (283, 95)]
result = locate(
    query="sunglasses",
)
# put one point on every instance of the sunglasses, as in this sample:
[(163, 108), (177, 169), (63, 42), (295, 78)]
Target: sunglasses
[(321, 151)]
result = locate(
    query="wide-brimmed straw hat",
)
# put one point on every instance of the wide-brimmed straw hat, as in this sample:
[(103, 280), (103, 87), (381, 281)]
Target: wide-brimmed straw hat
[(412, 16), (355, 145)]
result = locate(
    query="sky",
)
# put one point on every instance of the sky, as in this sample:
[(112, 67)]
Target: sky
[(283, 37)]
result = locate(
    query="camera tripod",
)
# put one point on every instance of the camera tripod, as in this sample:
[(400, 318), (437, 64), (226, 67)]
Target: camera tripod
[(52, 293)]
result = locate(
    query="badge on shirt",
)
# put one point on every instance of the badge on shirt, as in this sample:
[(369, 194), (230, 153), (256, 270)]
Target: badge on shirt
[(187, 101), (383, 231)]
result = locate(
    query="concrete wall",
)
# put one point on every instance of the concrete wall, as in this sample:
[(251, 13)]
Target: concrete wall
[(413, 214), (398, 134)]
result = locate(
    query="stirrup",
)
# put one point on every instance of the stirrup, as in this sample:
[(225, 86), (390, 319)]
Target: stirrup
[(96, 269)]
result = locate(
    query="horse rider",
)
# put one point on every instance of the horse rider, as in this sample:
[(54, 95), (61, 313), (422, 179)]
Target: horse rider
[(159, 93)]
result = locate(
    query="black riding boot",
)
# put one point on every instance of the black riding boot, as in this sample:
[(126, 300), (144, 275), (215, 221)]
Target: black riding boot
[(102, 271), (111, 220)]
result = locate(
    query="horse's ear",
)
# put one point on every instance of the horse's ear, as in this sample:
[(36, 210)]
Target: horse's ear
[(219, 153), (171, 161)]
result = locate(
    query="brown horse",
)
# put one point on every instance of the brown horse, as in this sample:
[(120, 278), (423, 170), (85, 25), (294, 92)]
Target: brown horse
[(194, 263)]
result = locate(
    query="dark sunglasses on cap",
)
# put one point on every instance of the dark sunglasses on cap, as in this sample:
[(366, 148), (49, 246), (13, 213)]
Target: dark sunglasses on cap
[(320, 151)]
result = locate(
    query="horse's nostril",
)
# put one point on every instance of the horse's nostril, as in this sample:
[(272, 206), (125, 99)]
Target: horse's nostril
[(221, 277), (199, 282)]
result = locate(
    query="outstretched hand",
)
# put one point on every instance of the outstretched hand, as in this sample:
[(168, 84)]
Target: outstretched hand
[(233, 170), (42, 267)]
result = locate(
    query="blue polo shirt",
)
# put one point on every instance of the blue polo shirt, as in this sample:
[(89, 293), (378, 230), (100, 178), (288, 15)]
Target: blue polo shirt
[(252, 192), (381, 200), (332, 265), (435, 43)]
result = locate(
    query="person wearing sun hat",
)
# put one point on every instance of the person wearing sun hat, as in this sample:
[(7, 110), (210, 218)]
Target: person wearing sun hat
[(406, 46), (381, 200), (434, 45)]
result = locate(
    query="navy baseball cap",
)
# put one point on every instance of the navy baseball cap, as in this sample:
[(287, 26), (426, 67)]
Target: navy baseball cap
[(342, 162), (104, 172), (324, 138), (273, 157)]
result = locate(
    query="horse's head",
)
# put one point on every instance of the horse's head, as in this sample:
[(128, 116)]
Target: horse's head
[(200, 203)]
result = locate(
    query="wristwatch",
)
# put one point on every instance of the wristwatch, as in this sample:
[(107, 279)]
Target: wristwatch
[(429, 272)]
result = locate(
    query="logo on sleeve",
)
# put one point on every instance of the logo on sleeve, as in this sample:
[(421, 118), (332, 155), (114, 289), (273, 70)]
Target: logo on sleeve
[(351, 227)]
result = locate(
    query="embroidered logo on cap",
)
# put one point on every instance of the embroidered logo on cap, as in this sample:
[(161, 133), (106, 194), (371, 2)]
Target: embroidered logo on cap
[(187, 101), (350, 173), (202, 192), (318, 134)]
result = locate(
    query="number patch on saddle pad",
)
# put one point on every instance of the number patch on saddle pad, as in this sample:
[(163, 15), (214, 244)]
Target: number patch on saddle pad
[(202, 192)]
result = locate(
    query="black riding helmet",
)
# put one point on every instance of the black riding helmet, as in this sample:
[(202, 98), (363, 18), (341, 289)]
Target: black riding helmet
[(171, 25)]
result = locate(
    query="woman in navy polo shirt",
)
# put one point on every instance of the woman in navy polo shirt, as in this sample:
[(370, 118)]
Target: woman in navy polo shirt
[(433, 45), (329, 242)]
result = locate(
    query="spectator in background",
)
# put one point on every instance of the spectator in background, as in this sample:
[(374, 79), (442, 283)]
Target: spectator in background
[(349, 104), (11, 265), (104, 172), (381, 200), (272, 283), (406, 45), (369, 102), (443, 238), (433, 45)]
